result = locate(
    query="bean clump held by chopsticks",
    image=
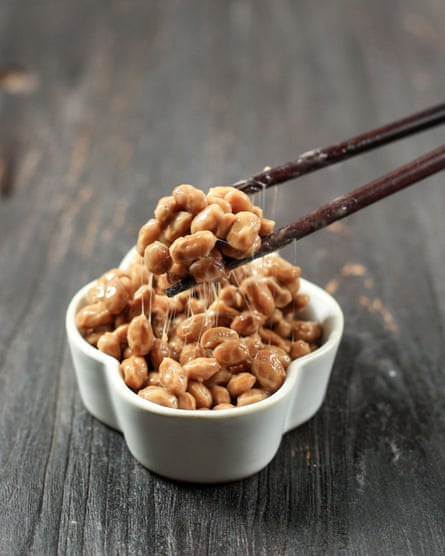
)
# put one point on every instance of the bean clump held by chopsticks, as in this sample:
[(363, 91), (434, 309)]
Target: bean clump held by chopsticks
[(192, 232)]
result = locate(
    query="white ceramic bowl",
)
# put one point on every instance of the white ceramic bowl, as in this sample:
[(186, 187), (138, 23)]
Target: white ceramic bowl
[(206, 446)]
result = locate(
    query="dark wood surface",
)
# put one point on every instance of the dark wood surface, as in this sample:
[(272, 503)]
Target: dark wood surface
[(104, 107)]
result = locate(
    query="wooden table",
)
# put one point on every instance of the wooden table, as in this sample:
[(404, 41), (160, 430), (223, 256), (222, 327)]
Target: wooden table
[(104, 107)]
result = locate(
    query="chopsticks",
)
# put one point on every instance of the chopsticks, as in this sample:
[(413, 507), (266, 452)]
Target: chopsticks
[(321, 158), (340, 207)]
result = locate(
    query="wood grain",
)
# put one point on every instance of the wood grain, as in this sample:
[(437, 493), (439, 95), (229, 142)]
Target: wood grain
[(104, 107)]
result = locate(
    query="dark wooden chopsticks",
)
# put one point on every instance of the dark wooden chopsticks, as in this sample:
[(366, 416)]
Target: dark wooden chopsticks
[(410, 173), (327, 156)]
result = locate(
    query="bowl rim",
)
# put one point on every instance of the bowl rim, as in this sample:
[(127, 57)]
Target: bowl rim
[(111, 365)]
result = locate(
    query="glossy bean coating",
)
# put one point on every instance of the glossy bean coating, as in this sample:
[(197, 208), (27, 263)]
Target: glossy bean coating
[(240, 383), (231, 295), (221, 378), (283, 328), (220, 190), (128, 285), (268, 336), (268, 369), (201, 393), (159, 395), (251, 396), (120, 333), (221, 313), (220, 394), (140, 335), (127, 353), (258, 211), (202, 368), (165, 209), (186, 401), (309, 331), (237, 275), (157, 258), (259, 295), (177, 272), (215, 336), (242, 367), (142, 302), (254, 344), (93, 315), (109, 344), (247, 323), (244, 231), (158, 351), (225, 223), (207, 219), (134, 371), (187, 249), (238, 200), (189, 198), (300, 301), (284, 357), (267, 226), (282, 296), (286, 273), (158, 325), (223, 406), (231, 352), (299, 348), (148, 233), (222, 203), (234, 253), (138, 275), (96, 292), (196, 306), (191, 351), (92, 335), (153, 379), (173, 377), (207, 269), (178, 225), (113, 273), (176, 345), (191, 328)]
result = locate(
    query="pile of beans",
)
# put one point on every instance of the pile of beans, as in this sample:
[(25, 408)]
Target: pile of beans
[(226, 343), (191, 231)]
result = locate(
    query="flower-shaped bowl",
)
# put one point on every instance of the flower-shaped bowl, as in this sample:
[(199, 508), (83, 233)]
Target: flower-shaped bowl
[(207, 446)]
